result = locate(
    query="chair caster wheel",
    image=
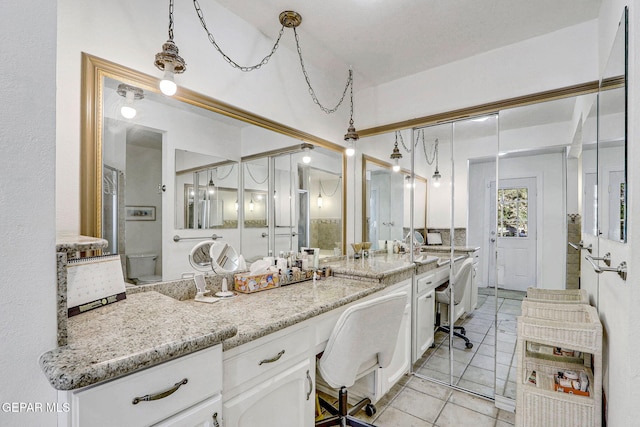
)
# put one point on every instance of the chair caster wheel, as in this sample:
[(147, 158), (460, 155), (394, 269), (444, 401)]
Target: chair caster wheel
[(469, 345), (370, 410)]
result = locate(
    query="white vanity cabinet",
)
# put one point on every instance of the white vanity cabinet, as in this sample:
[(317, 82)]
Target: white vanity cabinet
[(270, 381), (401, 361), (471, 297), (425, 307), (187, 391)]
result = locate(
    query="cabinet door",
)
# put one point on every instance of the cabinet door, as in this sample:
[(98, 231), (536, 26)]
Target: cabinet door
[(401, 361), (284, 400), (205, 414), (425, 307)]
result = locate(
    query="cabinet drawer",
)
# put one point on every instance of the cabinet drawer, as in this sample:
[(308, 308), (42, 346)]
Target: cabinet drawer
[(426, 283), (265, 357), (111, 404)]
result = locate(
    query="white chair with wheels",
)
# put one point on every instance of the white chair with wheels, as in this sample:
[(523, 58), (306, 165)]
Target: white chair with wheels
[(363, 339), (461, 285)]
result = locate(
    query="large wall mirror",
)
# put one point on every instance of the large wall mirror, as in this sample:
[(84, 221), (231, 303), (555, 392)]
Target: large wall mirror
[(159, 174), (387, 203), (612, 140), (293, 199)]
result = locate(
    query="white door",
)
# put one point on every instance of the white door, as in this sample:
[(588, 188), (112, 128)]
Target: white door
[(516, 257)]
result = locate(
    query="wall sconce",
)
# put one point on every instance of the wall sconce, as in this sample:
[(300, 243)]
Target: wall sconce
[(131, 94), (396, 155)]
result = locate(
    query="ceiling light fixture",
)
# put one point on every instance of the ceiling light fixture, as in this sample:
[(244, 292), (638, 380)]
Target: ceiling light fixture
[(169, 61), (396, 155), (131, 94), (434, 157)]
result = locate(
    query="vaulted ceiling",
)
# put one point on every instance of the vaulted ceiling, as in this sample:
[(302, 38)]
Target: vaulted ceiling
[(384, 40)]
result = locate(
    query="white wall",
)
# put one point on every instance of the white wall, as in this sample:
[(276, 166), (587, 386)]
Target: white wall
[(554, 60), (27, 198)]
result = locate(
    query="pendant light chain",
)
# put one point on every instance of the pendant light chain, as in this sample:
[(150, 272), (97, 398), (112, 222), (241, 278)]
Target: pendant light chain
[(171, 20), (254, 178), (228, 173), (408, 150), (424, 148), (322, 190), (231, 62), (313, 93)]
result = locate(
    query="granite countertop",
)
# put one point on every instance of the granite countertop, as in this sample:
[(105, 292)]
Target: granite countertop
[(149, 328), (262, 313), (69, 242), (376, 267), (144, 330)]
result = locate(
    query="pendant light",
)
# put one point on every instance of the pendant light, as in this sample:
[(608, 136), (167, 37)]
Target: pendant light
[(396, 155), (351, 136), (211, 187), (169, 61), (130, 94)]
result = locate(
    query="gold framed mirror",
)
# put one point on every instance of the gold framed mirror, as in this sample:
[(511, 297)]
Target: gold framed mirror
[(94, 72)]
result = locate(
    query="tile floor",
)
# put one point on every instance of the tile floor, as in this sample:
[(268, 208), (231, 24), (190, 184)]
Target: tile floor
[(416, 402)]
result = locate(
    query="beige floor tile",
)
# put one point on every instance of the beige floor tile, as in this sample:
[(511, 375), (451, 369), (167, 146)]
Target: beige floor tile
[(458, 416), (431, 373), (392, 417), (479, 375), (504, 358), (500, 423), (502, 371), (484, 362), (486, 349), (484, 406), (418, 404), (429, 387), (442, 365)]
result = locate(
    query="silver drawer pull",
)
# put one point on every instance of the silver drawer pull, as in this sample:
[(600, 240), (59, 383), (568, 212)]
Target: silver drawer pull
[(160, 395), (273, 359), (310, 385)]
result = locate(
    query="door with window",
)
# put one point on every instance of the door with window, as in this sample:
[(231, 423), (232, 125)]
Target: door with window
[(516, 260)]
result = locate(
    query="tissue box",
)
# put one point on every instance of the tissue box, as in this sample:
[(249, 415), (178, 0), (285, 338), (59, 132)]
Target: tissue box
[(246, 283)]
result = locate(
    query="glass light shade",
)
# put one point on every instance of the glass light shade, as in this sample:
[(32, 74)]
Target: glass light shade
[(350, 151), (167, 84), (396, 166), (211, 187), (306, 159), (128, 112)]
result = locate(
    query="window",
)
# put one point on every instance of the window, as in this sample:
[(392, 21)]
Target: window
[(513, 212)]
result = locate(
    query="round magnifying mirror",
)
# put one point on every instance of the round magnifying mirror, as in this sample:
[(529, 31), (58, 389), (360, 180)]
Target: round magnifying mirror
[(199, 257), (418, 238), (224, 259)]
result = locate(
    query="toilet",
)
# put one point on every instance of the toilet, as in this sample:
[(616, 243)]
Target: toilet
[(141, 268)]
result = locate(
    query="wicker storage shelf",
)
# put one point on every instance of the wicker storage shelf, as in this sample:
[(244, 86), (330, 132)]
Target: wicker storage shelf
[(563, 296), (568, 326)]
